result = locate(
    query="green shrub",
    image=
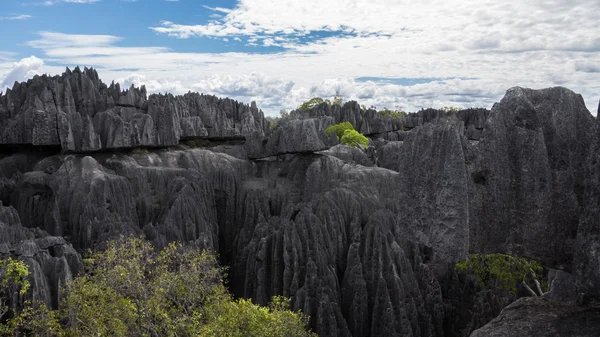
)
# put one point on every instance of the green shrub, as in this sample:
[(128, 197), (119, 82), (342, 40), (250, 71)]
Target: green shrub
[(339, 129), (500, 270), (354, 138), (392, 113), (130, 289), (450, 109), (311, 103)]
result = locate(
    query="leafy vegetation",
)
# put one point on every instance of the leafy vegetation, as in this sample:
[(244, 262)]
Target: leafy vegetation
[(339, 129), (385, 112), (347, 134), (316, 101), (130, 289), (450, 109), (502, 271), (354, 138)]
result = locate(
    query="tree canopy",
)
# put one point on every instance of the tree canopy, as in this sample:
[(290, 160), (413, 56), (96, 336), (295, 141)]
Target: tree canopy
[(502, 271), (347, 135), (130, 289)]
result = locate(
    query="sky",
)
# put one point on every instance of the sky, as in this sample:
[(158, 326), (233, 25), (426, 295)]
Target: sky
[(398, 54)]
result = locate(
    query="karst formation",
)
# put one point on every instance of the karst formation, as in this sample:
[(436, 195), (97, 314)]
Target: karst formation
[(362, 240)]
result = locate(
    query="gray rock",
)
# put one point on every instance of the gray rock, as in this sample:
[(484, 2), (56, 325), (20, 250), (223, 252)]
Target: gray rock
[(81, 114), (537, 317), (349, 154), (292, 136), (527, 187)]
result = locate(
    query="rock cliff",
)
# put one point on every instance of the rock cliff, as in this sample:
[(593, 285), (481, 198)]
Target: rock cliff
[(364, 241)]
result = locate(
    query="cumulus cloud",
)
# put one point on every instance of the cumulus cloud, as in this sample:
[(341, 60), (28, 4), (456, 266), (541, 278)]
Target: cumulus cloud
[(152, 86), (481, 48), (21, 71)]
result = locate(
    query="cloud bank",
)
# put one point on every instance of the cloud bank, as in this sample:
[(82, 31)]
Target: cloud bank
[(462, 53)]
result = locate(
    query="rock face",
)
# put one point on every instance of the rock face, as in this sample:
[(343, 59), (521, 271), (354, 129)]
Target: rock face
[(362, 241), (528, 317), (587, 249), (79, 113), (51, 260), (528, 182)]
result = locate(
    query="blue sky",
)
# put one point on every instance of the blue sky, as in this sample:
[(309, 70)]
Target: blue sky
[(389, 53)]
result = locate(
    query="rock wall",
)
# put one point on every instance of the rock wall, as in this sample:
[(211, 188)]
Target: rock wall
[(363, 241), (79, 113)]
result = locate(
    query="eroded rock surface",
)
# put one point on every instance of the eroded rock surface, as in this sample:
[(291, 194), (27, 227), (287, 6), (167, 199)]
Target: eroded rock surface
[(362, 241), (536, 317), (79, 113)]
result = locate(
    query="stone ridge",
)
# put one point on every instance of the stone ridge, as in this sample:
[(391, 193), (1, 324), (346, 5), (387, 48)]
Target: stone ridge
[(79, 113)]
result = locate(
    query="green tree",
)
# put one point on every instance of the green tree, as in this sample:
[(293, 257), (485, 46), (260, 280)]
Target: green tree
[(354, 138), (130, 289), (450, 109), (339, 129), (30, 319), (311, 103), (337, 100), (504, 271)]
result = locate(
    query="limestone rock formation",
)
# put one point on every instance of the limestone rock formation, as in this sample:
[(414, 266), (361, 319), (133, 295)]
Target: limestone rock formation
[(51, 260), (527, 188), (79, 113), (363, 240), (536, 317)]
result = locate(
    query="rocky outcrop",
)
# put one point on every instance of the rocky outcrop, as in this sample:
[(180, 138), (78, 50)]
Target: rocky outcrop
[(292, 136), (434, 191), (363, 241), (587, 248), (51, 260), (81, 114), (536, 317), (527, 188), (366, 122)]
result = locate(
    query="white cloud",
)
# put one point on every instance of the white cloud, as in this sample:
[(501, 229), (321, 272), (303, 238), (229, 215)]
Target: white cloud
[(54, 2), (21, 71), (16, 17), (484, 47)]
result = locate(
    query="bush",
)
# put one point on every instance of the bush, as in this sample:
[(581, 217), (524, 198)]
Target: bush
[(501, 271), (339, 129), (354, 138), (311, 103), (130, 289), (347, 135), (316, 101), (392, 113)]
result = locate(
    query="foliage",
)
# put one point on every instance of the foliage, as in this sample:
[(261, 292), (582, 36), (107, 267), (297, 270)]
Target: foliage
[(339, 129), (284, 113), (354, 138), (337, 100), (500, 270), (311, 103), (130, 289), (242, 318), (347, 135), (450, 109), (272, 121), (13, 279), (385, 112), (34, 319), (316, 101)]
